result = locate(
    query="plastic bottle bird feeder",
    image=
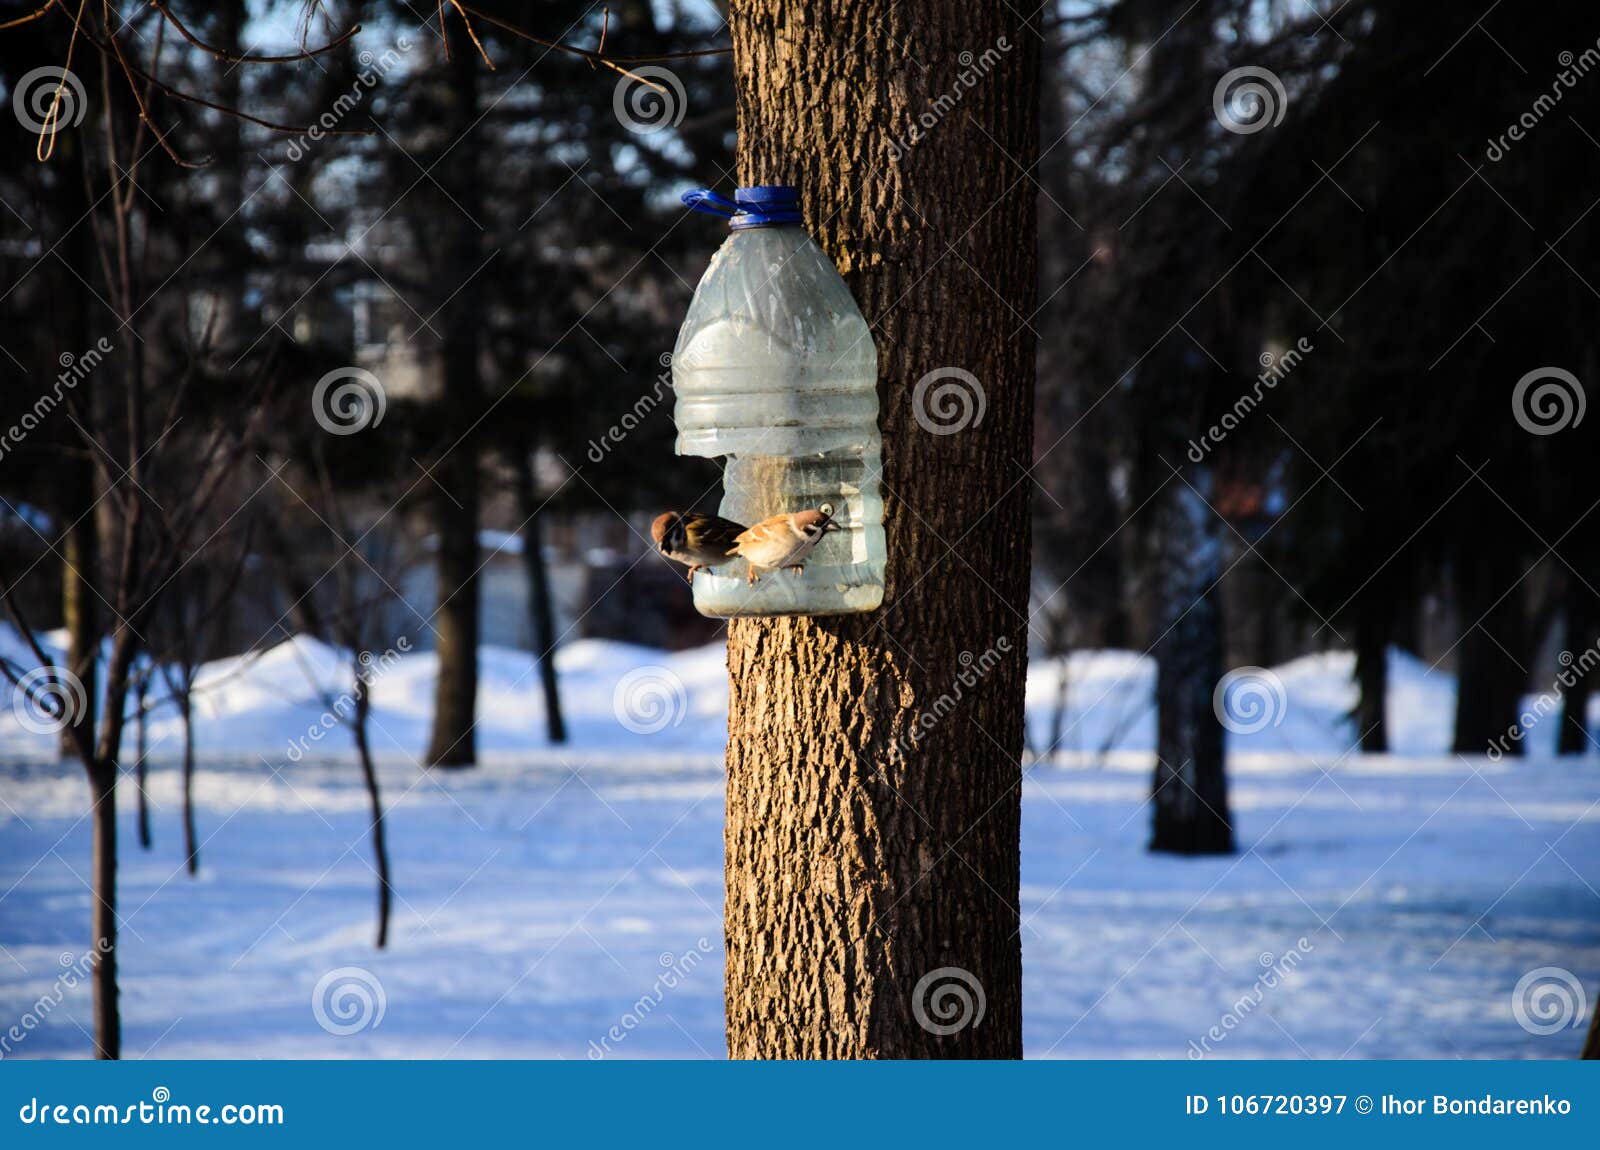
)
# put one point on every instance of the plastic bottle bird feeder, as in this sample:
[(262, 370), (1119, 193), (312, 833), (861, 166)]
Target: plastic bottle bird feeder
[(775, 369)]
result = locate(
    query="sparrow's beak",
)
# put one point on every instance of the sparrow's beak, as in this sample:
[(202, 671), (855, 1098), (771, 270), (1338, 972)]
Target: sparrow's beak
[(830, 525)]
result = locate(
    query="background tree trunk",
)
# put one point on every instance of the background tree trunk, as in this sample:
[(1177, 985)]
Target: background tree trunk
[(1189, 794), (191, 841), (369, 776), (141, 746), (1372, 627), (80, 543), (103, 911), (540, 615), (1490, 657), (1582, 623), (861, 864), (456, 510)]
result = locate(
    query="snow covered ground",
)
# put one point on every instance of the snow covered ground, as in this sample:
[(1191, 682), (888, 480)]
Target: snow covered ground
[(1380, 906)]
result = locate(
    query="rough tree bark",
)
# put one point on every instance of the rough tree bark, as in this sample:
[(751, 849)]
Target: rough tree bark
[(861, 863)]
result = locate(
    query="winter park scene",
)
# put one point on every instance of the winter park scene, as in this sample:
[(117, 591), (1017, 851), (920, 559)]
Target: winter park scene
[(697, 530)]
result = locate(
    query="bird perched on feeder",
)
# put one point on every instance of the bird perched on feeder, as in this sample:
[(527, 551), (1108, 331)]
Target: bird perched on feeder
[(697, 541), (784, 541)]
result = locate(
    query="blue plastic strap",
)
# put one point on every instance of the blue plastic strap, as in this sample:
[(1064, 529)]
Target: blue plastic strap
[(767, 205)]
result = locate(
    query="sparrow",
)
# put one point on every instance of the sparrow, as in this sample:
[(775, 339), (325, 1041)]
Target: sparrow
[(783, 541), (697, 541)]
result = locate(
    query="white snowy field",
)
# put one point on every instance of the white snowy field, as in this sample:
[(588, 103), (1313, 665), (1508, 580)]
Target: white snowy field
[(549, 896)]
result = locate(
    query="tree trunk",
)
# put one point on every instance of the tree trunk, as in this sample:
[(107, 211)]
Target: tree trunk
[(455, 473), (141, 747), (1190, 790), (103, 909), (1372, 677), (102, 768), (191, 841), (540, 614), (80, 543), (1489, 680), (1582, 624), (369, 773), (80, 550), (872, 877)]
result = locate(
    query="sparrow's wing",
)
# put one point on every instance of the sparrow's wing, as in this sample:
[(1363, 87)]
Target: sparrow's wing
[(766, 531), (713, 531)]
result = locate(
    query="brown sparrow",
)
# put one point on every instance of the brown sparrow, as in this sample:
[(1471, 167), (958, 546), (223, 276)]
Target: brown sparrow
[(783, 541), (697, 541)]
